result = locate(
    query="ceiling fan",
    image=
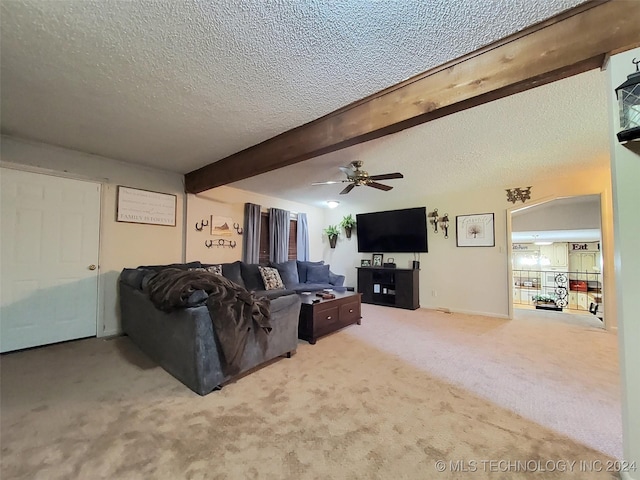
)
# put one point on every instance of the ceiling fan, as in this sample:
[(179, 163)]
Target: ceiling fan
[(357, 177)]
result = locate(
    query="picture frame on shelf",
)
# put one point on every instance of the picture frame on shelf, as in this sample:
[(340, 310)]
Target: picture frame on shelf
[(476, 230), (365, 262), (376, 260)]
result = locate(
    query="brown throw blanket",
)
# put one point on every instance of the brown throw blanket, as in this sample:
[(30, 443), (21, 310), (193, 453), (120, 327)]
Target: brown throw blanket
[(233, 310)]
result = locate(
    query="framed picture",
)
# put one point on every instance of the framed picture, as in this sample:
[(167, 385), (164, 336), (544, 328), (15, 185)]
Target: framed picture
[(377, 260), (475, 230), (221, 226), (144, 206), (365, 262)]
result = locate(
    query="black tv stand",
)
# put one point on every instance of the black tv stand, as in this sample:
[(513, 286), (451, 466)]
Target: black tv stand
[(391, 287)]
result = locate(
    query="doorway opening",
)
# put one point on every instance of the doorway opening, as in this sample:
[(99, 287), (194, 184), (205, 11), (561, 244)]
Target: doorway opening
[(556, 261)]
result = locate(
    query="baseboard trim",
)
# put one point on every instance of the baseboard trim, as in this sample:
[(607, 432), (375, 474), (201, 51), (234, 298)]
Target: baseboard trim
[(110, 333)]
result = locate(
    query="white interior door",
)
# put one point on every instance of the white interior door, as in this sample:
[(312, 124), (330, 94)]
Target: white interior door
[(49, 257)]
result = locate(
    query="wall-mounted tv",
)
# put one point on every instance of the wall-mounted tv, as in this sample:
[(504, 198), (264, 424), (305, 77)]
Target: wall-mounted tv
[(393, 231)]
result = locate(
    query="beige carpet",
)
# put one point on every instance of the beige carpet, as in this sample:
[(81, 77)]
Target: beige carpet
[(344, 408)]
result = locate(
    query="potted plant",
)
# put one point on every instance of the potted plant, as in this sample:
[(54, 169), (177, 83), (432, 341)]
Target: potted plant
[(348, 223), (332, 232), (546, 302)]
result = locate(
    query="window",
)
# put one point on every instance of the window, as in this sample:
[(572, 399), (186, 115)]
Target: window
[(264, 239)]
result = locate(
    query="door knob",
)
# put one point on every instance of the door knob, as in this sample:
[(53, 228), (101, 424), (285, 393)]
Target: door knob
[(92, 267)]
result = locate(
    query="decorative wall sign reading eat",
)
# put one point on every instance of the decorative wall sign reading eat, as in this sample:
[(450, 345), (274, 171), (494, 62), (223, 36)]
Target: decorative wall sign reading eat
[(143, 206)]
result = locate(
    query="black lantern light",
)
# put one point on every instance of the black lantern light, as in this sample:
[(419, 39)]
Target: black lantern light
[(628, 95)]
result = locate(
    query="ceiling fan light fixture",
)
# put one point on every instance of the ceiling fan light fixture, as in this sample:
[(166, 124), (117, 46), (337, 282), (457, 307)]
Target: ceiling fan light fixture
[(357, 178), (332, 203)]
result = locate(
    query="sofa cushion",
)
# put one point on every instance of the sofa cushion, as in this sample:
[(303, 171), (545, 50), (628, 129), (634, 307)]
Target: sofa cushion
[(337, 280), (288, 272), (271, 294), (315, 287), (251, 276), (233, 272), (317, 274), (271, 278), (302, 269), (133, 277)]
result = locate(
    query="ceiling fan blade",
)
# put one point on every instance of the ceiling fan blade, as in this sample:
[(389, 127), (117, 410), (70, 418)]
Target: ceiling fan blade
[(347, 189), (330, 182), (386, 176), (348, 171), (379, 186)]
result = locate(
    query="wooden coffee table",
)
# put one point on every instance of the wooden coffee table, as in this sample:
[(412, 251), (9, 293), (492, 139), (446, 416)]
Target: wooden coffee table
[(327, 316)]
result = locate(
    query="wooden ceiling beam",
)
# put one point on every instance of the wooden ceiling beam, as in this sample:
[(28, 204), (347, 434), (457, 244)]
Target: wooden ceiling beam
[(573, 42)]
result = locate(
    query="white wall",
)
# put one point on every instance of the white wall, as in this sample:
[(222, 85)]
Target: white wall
[(121, 244), (574, 216), (229, 202), (625, 167), (470, 279)]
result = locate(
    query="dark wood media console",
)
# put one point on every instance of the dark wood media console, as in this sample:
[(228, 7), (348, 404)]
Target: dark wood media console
[(391, 287)]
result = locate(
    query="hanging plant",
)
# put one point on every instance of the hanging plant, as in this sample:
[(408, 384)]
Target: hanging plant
[(348, 222), (332, 232)]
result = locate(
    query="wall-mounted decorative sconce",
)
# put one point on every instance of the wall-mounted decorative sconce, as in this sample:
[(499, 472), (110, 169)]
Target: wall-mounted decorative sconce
[(201, 224), (444, 223), (628, 95), (515, 194), (434, 220)]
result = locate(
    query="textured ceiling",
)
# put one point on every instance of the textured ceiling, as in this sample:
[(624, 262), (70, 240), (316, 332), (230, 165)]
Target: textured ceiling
[(539, 134), (178, 85)]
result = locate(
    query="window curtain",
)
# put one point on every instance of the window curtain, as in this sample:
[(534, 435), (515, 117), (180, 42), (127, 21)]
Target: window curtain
[(279, 235), (303, 238), (251, 245)]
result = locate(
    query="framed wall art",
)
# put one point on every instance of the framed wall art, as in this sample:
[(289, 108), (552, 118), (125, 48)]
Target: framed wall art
[(221, 226), (475, 230), (144, 206)]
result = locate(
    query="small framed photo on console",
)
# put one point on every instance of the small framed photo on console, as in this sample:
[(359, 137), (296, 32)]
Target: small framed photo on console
[(365, 262), (377, 259)]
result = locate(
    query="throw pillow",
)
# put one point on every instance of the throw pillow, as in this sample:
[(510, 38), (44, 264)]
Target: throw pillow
[(318, 274), (288, 272), (271, 278), (217, 269), (302, 269)]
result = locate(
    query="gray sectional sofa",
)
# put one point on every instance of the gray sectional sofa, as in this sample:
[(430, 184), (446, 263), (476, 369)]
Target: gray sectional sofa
[(184, 341)]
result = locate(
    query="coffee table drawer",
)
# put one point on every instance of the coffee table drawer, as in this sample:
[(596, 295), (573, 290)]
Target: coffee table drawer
[(350, 313), (325, 320)]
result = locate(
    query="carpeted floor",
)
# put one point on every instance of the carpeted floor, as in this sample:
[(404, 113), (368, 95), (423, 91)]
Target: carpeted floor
[(388, 399)]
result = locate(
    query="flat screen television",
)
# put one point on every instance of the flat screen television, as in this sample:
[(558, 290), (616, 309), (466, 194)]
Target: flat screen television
[(393, 231)]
